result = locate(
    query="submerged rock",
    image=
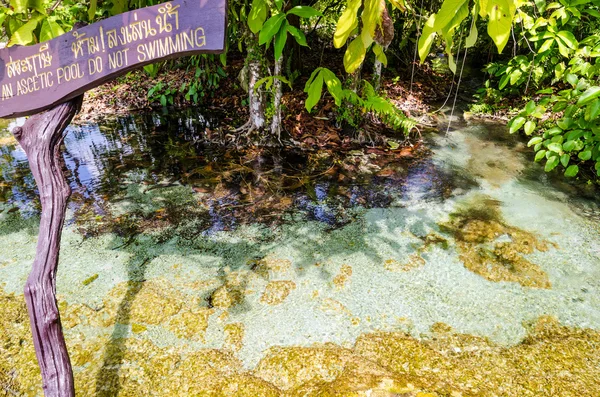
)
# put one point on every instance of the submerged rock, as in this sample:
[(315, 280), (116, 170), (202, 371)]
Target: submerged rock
[(493, 249)]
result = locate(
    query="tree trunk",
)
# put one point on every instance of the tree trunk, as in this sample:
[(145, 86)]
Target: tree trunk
[(41, 137), (377, 75), (276, 123), (256, 101)]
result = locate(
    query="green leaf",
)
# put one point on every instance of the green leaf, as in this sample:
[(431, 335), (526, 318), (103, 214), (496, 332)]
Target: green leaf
[(354, 56), (371, 20), (593, 13), (586, 155), (592, 110), (298, 35), (280, 39), (334, 85), (314, 74), (560, 106), (589, 95), (446, 13), (545, 91), (572, 79), (50, 30), (314, 92), (571, 171), (546, 46), (24, 35), (568, 146), (540, 155), (516, 124), (472, 37), (529, 127), (347, 23), (426, 39), (270, 28), (554, 131), (399, 4), (563, 49), (37, 5), (568, 39), (504, 81), (304, 12), (515, 76), (257, 16), (564, 159), (530, 108), (555, 147), (551, 163), (263, 81), (534, 141), (564, 123), (92, 10), (379, 54), (19, 6)]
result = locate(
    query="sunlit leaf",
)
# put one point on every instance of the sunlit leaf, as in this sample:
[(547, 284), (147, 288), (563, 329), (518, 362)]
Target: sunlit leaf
[(551, 163), (398, 4), (426, 39), (24, 35), (555, 147), (314, 92), (37, 5), (354, 56), (334, 85), (347, 23), (589, 95), (257, 16), (92, 9), (472, 37), (516, 124), (501, 13), (50, 29), (568, 38), (19, 6), (540, 155), (379, 54), (529, 127), (270, 28), (546, 46), (446, 13), (534, 141), (371, 20)]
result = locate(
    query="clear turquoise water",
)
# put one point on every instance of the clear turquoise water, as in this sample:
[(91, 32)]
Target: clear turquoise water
[(225, 210)]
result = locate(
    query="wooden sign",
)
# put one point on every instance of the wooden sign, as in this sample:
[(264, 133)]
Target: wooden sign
[(38, 77)]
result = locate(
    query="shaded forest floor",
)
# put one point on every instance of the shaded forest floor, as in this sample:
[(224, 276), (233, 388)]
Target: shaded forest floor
[(412, 90)]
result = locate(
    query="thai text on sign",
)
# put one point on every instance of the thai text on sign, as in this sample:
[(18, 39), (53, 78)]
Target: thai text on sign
[(35, 78)]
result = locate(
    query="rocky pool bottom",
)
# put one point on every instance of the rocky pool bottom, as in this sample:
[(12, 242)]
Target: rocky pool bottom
[(466, 272), (551, 360)]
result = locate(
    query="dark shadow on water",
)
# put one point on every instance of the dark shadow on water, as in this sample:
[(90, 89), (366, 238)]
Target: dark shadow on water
[(107, 379)]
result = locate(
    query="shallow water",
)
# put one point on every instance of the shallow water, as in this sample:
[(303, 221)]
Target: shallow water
[(190, 269)]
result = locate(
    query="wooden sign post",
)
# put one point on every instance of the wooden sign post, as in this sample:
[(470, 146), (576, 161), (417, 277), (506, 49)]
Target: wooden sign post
[(53, 76)]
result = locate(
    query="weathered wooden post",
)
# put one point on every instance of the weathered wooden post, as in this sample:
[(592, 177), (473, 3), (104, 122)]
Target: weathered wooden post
[(41, 137), (52, 77)]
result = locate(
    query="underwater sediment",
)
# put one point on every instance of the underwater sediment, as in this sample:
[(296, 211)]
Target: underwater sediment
[(552, 360)]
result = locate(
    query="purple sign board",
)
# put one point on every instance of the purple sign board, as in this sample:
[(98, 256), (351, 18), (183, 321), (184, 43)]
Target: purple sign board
[(36, 78)]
